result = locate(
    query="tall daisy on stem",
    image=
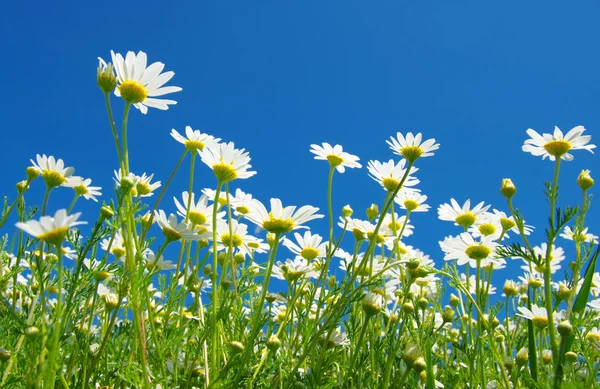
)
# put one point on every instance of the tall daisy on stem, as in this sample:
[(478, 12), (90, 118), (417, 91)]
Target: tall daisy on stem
[(556, 147), (227, 164)]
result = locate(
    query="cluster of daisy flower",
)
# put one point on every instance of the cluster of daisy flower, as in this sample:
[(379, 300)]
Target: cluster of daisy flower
[(251, 296)]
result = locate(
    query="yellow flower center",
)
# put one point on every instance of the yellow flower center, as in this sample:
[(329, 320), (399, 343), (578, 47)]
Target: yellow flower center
[(487, 229), (335, 160), (380, 239), (197, 218), (466, 219), (133, 92), (558, 148), (224, 172), (411, 205), (402, 250), (507, 224), (53, 178), (593, 338), (309, 253), (231, 240), (390, 184), (253, 245), (364, 270), (540, 322), (294, 275), (118, 251), (55, 236), (358, 234), (170, 234), (80, 190), (422, 281), (193, 145), (411, 153), (243, 210), (478, 252), (395, 226), (280, 226), (143, 188)]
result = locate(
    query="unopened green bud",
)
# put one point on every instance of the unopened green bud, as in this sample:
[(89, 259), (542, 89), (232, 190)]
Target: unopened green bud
[(32, 331), (565, 329), (522, 357), (22, 186), (571, 356), (408, 307), (239, 258), (454, 300), (508, 189), (106, 212), (206, 270), (448, 314), (202, 243), (372, 211), (511, 289), (107, 82), (584, 180), (546, 356), (51, 258), (423, 303), (273, 343), (32, 173), (236, 347), (347, 211), (331, 282), (419, 365)]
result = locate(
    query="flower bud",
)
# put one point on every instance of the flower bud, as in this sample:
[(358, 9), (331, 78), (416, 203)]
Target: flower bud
[(423, 303), (32, 331), (571, 356), (565, 329), (197, 371), (106, 212), (454, 300), (408, 307), (127, 183), (236, 347), (207, 270), (347, 211), (107, 82), (546, 356), (22, 186), (372, 211), (522, 357), (239, 258), (448, 314), (32, 173), (4, 355), (419, 365), (508, 189), (511, 288), (273, 343), (584, 180), (51, 258)]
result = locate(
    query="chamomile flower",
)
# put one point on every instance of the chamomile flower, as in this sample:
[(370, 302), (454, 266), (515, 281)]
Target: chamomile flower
[(281, 220), (240, 202), (411, 147), (569, 234), (211, 194), (483, 285), (50, 229), (557, 254), (309, 247), (557, 145), (199, 213), (488, 226), (227, 162), (293, 269), (461, 216), (538, 315), (54, 172), (140, 84), (153, 263), (337, 338), (237, 238), (389, 175), (84, 189), (394, 226), (115, 244), (172, 230), (144, 187), (194, 140), (412, 201), (336, 157), (464, 249)]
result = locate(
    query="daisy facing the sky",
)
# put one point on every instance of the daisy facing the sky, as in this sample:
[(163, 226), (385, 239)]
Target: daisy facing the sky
[(389, 174), (411, 147), (50, 229), (461, 216), (54, 172), (139, 84), (556, 145), (227, 162), (194, 140), (336, 156), (281, 219)]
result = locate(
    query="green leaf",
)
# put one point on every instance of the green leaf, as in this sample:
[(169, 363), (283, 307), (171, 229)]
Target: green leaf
[(582, 297)]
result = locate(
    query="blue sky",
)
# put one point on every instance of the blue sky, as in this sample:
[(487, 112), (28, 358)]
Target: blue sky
[(276, 76)]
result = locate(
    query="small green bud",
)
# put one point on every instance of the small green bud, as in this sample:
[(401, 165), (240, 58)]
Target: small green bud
[(32, 332), (508, 189), (22, 186), (347, 211), (423, 303), (32, 173), (522, 357), (454, 300), (448, 314), (419, 365), (584, 180), (236, 347), (107, 82), (372, 211), (565, 329), (546, 356), (408, 307), (571, 356), (106, 212), (273, 343)]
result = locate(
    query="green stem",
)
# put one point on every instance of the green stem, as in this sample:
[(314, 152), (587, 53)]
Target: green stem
[(124, 136), (113, 127), (50, 373), (215, 285)]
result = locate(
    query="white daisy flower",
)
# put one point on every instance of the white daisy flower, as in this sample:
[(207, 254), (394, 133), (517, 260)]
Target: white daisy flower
[(199, 214), (412, 201), (411, 147), (116, 244), (144, 187), (569, 234), (464, 249), (238, 238), (157, 264), (309, 247), (211, 194), (483, 285), (227, 162), (140, 84), (337, 338), (281, 219), (538, 315), (487, 226), (336, 157), (557, 145), (194, 140), (54, 172), (389, 175), (240, 202), (393, 227), (557, 254), (172, 230), (293, 269), (461, 216), (84, 189), (50, 229)]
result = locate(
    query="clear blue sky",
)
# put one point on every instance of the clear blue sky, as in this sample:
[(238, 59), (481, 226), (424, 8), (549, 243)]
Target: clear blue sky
[(276, 76)]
